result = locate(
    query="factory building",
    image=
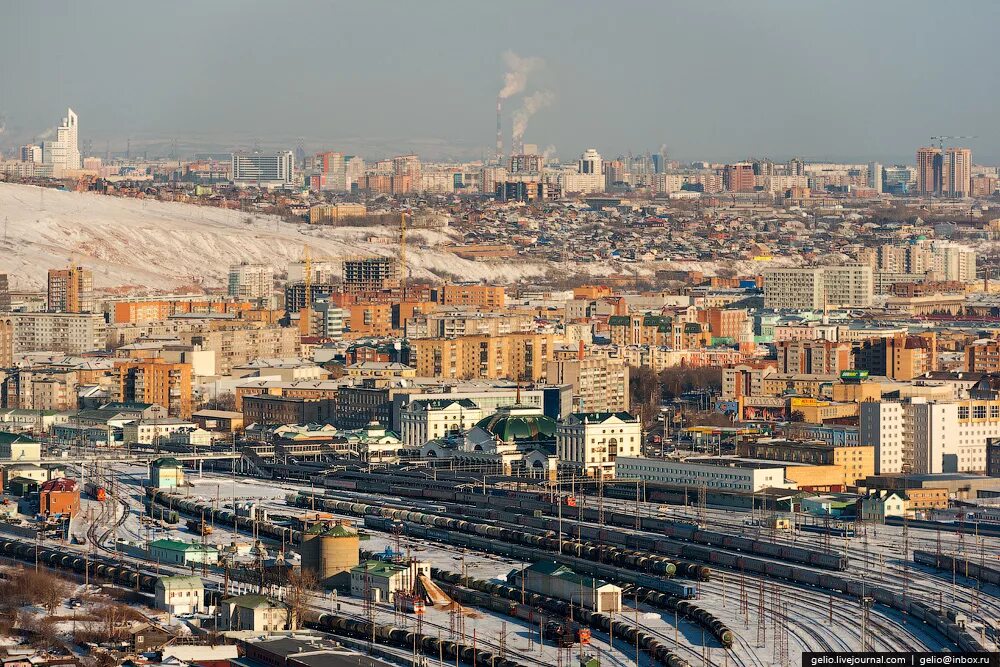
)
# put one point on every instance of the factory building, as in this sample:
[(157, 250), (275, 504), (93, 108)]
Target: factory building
[(557, 580), (379, 581)]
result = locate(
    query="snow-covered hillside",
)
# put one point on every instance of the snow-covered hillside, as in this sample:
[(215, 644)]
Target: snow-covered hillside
[(164, 245)]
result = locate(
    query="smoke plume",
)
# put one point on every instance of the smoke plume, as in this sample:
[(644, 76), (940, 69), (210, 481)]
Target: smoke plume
[(518, 69), (529, 107)]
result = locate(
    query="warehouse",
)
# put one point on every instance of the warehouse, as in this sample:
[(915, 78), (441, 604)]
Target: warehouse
[(558, 581)]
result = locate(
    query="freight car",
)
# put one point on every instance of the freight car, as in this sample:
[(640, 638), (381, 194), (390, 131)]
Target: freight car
[(536, 607), (836, 530), (467, 495), (961, 566), (95, 491), (403, 638)]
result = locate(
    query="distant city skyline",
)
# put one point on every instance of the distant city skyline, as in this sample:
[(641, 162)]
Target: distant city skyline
[(720, 81)]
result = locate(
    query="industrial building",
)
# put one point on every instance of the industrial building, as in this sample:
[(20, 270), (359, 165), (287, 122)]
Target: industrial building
[(557, 580), (379, 580)]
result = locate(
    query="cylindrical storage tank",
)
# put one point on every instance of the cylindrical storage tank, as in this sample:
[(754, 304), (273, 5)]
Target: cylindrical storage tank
[(332, 552)]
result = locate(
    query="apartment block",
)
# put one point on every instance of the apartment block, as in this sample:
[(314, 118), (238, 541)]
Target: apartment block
[(69, 333), (813, 356), (447, 324), (520, 357), (482, 297), (71, 290), (814, 288), (155, 381), (235, 345), (600, 384)]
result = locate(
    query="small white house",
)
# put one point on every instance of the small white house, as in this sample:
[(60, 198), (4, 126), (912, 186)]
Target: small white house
[(878, 505)]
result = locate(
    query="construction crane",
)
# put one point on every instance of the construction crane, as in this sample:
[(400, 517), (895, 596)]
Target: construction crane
[(305, 315), (402, 252), (307, 273), (940, 140)]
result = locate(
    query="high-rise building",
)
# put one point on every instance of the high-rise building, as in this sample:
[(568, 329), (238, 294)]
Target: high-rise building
[(929, 170), (155, 381), (64, 151), (875, 176), (31, 153), (330, 172), (917, 436), (71, 290), (4, 293), (738, 177), (327, 319), (251, 282), (527, 163), (956, 175), (591, 162), (266, 170)]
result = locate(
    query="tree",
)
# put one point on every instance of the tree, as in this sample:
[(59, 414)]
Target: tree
[(300, 586), (224, 401), (644, 393)]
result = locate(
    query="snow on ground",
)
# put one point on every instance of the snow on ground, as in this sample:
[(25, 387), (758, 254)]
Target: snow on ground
[(166, 245)]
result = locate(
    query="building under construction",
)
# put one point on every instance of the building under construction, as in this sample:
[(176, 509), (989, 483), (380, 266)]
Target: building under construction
[(371, 274)]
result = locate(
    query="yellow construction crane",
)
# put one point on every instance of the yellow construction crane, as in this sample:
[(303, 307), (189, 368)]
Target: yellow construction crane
[(402, 252)]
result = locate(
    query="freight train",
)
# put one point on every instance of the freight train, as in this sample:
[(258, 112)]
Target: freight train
[(95, 491), (544, 538), (402, 638), (505, 503), (562, 608), (552, 615), (961, 566), (732, 561)]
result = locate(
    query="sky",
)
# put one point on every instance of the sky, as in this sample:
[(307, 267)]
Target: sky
[(852, 80)]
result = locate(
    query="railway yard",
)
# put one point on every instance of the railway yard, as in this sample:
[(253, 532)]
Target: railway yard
[(700, 585)]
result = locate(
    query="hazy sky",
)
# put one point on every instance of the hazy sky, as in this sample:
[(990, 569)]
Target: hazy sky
[(711, 79)]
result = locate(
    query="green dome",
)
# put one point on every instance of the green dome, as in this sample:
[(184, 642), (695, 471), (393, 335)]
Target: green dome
[(340, 531), (315, 529), (519, 428)]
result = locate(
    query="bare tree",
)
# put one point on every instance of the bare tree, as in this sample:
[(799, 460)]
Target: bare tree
[(225, 401), (300, 586)]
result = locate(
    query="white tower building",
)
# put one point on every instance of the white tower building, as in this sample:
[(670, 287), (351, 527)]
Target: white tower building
[(64, 151)]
